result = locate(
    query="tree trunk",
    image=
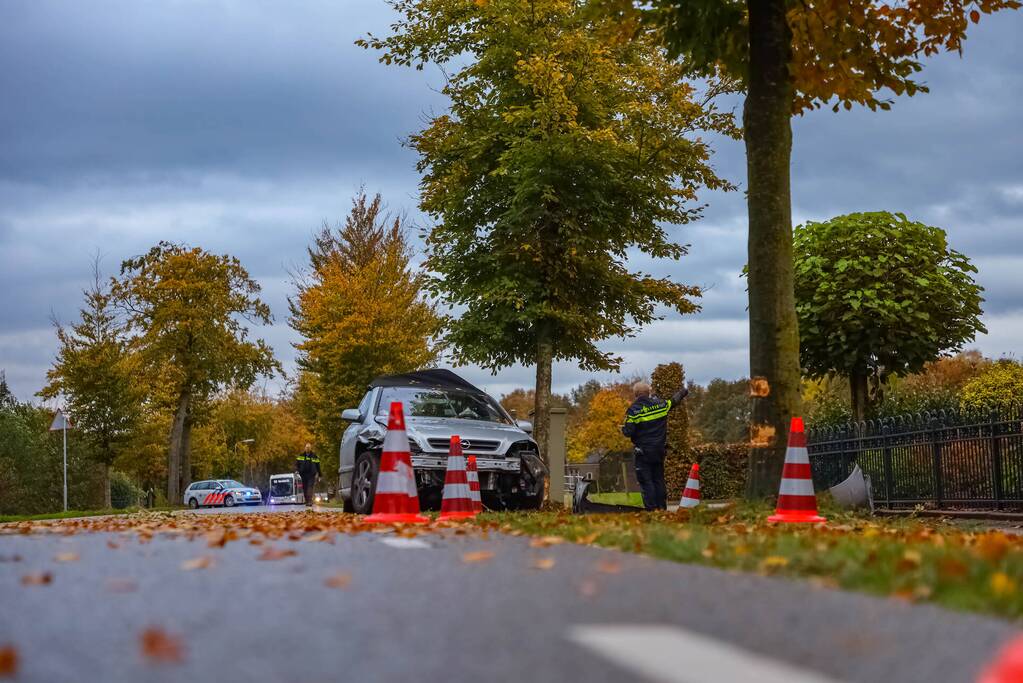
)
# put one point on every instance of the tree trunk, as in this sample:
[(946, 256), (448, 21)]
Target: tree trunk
[(858, 388), (107, 504), (542, 394), (774, 336), (176, 458)]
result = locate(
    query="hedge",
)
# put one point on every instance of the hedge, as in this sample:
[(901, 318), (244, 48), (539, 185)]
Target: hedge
[(722, 471)]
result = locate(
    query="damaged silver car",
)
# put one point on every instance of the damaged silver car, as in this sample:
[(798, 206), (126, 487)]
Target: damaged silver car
[(437, 405)]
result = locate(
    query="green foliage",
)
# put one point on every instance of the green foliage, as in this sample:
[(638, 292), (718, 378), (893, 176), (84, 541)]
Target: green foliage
[(31, 462), (97, 377), (880, 295), (124, 492), (720, 412), (361, 313), (564, 149), (722, 471), (998, 386)]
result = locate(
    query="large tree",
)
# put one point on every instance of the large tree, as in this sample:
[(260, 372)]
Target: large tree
[(792, 56), (191, 311), (879, 295), (361, 312), (97, 376), (567, 148)]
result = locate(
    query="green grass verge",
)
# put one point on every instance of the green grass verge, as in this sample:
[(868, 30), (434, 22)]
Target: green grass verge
[(80, 513), (635, 499), (909, 559)]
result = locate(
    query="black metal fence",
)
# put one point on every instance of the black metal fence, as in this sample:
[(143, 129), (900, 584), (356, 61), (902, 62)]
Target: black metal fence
[(945, 459)]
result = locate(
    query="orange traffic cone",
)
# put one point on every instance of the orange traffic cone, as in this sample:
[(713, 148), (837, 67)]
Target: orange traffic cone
[(1007, 667), (474, 484), (691, 494), (796, 500), (396, 498), (457, 501)]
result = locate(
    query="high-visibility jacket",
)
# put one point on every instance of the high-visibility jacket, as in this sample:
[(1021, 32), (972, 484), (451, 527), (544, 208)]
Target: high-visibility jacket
[(646, 421), (307, 464)]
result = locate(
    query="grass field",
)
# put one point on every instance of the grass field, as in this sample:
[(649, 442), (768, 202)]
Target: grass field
[(908, 559), (635, 499)]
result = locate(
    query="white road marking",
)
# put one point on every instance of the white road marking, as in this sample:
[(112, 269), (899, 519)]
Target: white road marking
[(672, 655), (405, 543)]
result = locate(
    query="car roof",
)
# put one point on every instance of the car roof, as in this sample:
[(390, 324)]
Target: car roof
[(433, 379)]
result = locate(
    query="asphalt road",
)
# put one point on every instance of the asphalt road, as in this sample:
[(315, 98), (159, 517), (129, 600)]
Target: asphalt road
[(415, 609)]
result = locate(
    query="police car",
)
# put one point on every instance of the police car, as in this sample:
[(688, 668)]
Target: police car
[(220, 492)]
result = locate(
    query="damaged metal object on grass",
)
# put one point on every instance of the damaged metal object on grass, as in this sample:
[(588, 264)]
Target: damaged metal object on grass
[(854, 492)]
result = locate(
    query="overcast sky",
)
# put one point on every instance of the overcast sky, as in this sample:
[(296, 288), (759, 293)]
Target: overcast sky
[(240, 125)]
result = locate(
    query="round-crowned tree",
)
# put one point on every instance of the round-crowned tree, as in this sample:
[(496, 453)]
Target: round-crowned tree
[(879, 295)]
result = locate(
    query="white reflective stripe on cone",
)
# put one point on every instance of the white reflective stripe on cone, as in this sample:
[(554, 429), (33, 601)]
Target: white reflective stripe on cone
[(798, 455), (796, 487), (391, 482), (457, 491), (689, 502), (693, 484), (396, 441)]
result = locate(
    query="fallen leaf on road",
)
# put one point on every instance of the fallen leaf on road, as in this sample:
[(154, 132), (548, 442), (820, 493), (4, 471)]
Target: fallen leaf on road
[(477, 556), (216, 538), (543, 563), (66, 557), (546, 541), (8, 661), (37, 579), (588, 588), (609, 567), (112, 545), (196, 563), (271, 553), (162, 647), (773, 562), (1002, 584), (993, 546), (122, 585), (10, 558), (339, 580), (317, 537)]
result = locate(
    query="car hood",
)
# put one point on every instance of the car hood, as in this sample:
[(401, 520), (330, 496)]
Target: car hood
[(431, 428)]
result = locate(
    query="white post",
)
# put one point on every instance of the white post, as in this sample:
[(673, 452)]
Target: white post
[(64, 430)]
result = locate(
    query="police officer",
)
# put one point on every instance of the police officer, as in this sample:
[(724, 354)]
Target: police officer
[(646, 424), (308, 467)]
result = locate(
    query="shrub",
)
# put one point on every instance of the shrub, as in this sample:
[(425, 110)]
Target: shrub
[(665, 381), (123, 491), (722, 471), (999, 386)]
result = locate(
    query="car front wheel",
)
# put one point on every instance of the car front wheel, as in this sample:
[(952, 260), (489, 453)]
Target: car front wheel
[(229, 502), (364, 483)]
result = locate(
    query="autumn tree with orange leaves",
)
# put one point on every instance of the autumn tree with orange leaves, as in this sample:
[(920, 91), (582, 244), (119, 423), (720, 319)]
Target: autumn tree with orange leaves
[(361, 312)]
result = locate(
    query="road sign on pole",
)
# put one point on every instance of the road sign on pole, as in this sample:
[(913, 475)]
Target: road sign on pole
[(61, 423)]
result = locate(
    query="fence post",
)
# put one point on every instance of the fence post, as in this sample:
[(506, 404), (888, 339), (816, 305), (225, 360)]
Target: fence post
[(996, 461), (886, 458), (939, 492)]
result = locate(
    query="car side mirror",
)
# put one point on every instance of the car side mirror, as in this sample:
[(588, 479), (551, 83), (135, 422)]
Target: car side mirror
[(351, 415), (525, 425)]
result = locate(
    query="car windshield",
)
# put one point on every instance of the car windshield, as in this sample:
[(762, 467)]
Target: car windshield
[(442, 403), (231, 484)]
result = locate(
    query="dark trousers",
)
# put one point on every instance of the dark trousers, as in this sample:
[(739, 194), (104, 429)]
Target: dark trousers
[(650, 475), (308, 482)]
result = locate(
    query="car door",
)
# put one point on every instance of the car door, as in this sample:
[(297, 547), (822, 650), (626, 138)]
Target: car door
[(348, 440)]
